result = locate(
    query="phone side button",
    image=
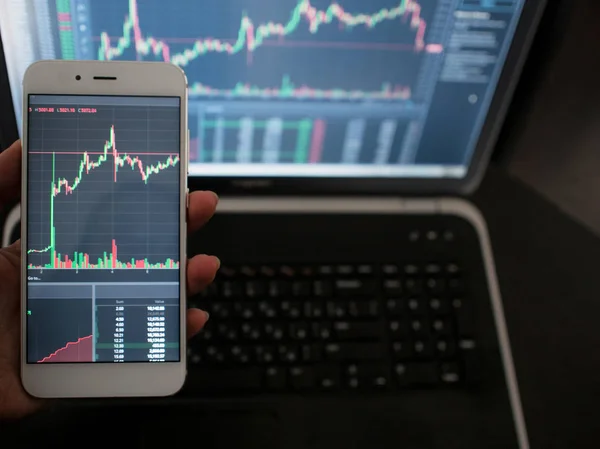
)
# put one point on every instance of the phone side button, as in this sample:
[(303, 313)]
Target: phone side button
[(187, 198)]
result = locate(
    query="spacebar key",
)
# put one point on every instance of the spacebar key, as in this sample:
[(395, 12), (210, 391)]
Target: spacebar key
[(225, 379)]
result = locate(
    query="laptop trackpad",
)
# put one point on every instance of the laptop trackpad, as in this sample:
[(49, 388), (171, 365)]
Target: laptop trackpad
[(216, 430)]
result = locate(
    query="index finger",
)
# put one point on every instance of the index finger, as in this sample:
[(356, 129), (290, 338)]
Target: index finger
[(10, 173)]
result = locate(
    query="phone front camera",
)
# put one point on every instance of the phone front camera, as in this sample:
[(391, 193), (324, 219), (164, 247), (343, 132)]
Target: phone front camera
[(77, 77)]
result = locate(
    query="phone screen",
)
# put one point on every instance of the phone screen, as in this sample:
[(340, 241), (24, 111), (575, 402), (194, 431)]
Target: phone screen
[(103, 229)]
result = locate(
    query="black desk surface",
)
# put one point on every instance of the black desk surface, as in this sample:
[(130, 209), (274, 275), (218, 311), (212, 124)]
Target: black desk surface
[(548, 269), (550, 283)]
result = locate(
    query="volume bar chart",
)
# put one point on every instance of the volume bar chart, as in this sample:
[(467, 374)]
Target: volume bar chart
[(81, 261), (288, 89)]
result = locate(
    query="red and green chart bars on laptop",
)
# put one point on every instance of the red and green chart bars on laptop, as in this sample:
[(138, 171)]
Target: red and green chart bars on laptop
[(62, 186), (309, 136)]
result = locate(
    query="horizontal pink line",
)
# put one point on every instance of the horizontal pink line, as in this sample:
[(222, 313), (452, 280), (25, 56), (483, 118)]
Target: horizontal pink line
[(99, 152), (285, 43)]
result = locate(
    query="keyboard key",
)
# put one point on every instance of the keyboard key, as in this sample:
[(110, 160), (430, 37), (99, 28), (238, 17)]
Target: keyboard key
[(413, 285), (221, 310), (355, 287), (455, 285), (245, 310), (256, 289), (231, 289), (307, 271), (450, 373), (265, 354), (227, 271), (399, 373), (465, 319), (433, 268), (239, 354), (214, 354), (419, 327), (390, 269), (365, 269), (452, 268), (211, 291), (354, 351), (325, 270), (314, 309), (370, 375), (363, 309), (344, 270), (278, 289), (401, 350), (250, 331), (267, 271), (411, 269), (422, 373), (423, 349), (287, 271), (445, 348), (302, 288), (417, 306), (275, 331), (323, 289), (299, 331), (439, 306), (291, 309), (392, 287), (275, 378), (398, 328), (227, 331), (352, 330), (267, 309), (311, 353), (395, 307), (442, 326), (322, 331), (288, 353), (337, 309), (248, 271), (301, 377), (435, 285), (328, 376)]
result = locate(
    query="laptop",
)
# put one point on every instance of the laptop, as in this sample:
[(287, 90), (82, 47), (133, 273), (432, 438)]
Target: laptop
[(357, 304)]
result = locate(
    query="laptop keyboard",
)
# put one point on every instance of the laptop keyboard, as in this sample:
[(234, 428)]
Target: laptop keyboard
[(353, 327)]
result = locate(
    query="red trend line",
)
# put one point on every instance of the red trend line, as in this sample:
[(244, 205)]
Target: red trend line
[(70, 345), (119, 160)]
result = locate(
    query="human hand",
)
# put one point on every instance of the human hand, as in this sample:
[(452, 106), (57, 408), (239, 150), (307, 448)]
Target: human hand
[(14, 401)]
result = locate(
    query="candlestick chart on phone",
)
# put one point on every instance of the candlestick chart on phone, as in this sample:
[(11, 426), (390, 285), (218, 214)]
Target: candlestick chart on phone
[(103, 196)]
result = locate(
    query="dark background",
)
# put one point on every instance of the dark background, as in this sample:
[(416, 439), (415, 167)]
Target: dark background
[(542, 210)]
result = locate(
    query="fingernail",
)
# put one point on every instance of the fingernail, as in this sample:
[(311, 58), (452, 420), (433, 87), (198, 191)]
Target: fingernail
[(207, 315), (217, 262), (216, 196)]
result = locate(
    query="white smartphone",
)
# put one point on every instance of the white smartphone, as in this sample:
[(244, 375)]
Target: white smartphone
[(104, 196)]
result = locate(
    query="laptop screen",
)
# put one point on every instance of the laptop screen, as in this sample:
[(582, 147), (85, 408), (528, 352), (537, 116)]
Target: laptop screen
[(297, 88)]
